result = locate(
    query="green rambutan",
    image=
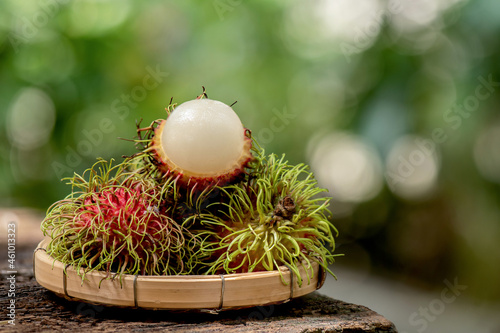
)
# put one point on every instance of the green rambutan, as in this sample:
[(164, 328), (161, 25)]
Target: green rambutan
[(115, 222), (276, 218)]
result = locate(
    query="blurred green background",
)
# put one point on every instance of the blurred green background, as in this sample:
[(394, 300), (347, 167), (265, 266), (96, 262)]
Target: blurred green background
[(394, 104)]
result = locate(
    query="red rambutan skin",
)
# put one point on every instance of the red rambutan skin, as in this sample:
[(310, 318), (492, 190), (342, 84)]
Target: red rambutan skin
[(117, 221), (121, 220), (119, 211)]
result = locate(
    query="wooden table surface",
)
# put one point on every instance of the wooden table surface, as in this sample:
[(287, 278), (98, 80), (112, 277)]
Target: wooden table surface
[(39, 310)]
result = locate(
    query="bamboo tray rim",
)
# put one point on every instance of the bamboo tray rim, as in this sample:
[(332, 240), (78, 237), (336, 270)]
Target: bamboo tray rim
[(206, 293)]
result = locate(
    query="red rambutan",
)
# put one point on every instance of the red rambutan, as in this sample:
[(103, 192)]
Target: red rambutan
[(116, 223)]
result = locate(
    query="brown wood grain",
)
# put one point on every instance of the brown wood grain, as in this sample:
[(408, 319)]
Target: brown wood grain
[(39, 310)]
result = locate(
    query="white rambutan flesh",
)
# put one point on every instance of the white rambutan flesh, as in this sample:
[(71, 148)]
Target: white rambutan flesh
[(203, 136), (204, 141)]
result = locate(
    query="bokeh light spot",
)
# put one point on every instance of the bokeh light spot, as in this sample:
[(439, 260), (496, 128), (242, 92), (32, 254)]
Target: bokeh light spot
[(97, 17), (313, 29), (413, 167), (349, 167), (31, 119)]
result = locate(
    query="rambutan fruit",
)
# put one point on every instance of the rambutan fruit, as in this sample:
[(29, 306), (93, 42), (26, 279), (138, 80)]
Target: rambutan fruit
[(115, 221), (202, 143), (197, 198), (276, 218)]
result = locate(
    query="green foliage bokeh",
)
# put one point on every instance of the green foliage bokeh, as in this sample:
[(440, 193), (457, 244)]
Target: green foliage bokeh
[(76, 75)]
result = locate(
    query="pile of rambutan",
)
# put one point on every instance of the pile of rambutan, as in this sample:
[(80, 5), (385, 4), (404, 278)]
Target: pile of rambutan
[(200, 197)]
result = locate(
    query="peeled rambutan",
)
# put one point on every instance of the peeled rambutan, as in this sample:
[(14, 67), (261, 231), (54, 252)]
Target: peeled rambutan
[(202, 143), (116, 222), (274, 219)]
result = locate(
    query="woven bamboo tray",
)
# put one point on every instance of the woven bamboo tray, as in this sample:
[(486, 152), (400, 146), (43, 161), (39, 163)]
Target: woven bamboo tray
[(210, 293)]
